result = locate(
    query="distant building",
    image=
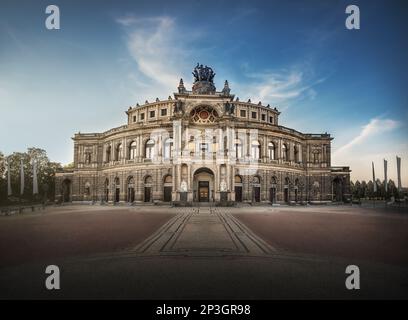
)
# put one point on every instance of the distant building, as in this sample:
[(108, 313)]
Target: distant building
[(203, 145)]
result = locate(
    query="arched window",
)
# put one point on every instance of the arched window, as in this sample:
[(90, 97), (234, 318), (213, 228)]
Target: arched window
[(132, 150), (204, 114), (271, 150), (108, 153), (238, 149), (285, 151), (148, 180), (237, 179), (168, 149), (256, 180), (255, 149), (149, 150), (168, 179), (119, 152)]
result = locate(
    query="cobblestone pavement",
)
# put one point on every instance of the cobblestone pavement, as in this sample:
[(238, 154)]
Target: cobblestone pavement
[(204, 231), (207, 252)]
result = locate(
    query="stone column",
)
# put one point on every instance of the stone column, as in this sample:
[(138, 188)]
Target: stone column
[(300, 151), (248, 144), (232, 180), (112, 153), (265, 149), (125, 150), (217, 175), (178, 182), (291, 151), (173, 186), (189, 184)]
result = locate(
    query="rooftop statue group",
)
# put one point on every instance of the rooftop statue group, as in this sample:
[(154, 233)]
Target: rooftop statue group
[(202, 73)]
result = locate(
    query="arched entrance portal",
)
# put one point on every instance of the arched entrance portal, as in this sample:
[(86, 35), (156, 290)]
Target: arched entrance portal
[(148, 182), (117, 190), (167, 188), (66, 190), (238, 188), (203, 185)]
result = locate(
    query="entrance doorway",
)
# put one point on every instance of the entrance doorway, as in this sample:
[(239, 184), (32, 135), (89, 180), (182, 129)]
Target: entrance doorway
[(203, 191), (257, 194), (167, 188), (238, 194), (203, 185), (167, 194), (272, 195), (117, 195), (117, 189), (286, 195), (256, 189), (238, 188), (147, 192)]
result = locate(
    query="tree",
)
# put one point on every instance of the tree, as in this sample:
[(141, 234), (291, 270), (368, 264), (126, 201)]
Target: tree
[(392, 190), (363, 191), (380, 189), (370, 189), (352, 187), (357, 190), (68, 166), (45, 175)]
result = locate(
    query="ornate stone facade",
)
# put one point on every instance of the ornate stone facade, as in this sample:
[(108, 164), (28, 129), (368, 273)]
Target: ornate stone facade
[(203, 145)]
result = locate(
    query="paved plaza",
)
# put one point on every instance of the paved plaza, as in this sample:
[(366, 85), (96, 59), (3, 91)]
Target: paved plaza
[(152, 252)]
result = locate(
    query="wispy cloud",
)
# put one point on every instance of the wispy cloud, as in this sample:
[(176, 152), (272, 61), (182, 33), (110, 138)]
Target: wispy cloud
[(279, 87), (374, 127), (373, 143), (163, 55), (159, 50)]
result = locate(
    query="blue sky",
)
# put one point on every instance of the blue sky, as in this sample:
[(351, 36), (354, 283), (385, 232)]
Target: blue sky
[(295, 55)]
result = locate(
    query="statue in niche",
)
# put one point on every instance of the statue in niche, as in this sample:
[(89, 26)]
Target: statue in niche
[(183, 186), (223, 186)]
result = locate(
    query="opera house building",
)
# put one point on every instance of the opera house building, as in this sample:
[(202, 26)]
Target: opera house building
[(203, 145)]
